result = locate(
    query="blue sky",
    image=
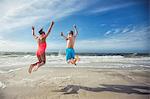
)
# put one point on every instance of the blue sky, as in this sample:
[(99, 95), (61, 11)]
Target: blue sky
[(104, 25)]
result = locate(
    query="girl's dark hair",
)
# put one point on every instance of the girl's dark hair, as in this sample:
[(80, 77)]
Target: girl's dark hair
[(41, 31)]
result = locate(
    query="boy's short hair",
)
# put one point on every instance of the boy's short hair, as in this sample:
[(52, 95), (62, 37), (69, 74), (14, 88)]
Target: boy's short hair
[(71, 32)]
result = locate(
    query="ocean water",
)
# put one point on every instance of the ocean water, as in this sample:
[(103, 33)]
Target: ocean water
[(10, 61)]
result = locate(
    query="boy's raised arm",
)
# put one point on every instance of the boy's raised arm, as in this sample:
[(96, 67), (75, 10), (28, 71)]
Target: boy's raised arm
[(76, 31), (62, 34), (50, 28)]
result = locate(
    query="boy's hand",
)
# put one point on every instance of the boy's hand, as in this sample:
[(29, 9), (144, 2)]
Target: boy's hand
[(62, 34), (74, 26), (32, 27)]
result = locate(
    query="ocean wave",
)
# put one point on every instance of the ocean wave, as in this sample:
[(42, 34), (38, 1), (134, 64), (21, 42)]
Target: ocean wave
[(2, 85), (29, 57), (9, 71), (58, 60)]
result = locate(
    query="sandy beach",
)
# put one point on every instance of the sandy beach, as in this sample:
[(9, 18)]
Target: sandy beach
[(75, 83)]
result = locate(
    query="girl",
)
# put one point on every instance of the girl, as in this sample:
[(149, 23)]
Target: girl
[(41, 40)]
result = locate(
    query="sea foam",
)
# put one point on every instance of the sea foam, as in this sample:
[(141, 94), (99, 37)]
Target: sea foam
[(2, 85)]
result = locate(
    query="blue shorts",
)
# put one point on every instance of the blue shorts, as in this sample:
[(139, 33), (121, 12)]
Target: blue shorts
[(70, 54)]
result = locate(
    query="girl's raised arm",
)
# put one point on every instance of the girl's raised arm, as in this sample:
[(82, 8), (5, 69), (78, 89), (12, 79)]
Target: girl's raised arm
[(33, 33), (50, 28)]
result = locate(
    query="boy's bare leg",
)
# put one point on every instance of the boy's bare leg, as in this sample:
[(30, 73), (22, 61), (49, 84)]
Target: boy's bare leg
[(73, 61), (69, 61)]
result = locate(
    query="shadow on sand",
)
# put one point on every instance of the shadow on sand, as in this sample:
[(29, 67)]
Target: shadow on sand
[(74, 89)]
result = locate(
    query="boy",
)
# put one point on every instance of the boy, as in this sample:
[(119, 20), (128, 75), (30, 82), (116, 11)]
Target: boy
[(70, 39)]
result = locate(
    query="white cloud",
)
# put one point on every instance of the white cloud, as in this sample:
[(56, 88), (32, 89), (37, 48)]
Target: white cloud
[(22, 13), (108, 32), (8, 45), (18, 14), (113, 31), (112, 6), (135, 38)]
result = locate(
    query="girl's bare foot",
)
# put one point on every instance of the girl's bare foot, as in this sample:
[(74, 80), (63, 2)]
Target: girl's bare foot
[(35, 68), (30, 68)]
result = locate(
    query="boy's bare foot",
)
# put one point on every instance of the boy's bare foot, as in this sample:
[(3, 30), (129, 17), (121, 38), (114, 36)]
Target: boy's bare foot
[(73, 61), (77, 59)]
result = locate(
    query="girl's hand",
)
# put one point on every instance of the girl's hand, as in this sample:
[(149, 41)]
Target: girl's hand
[(32, 27), (33, 31), (52, 23)]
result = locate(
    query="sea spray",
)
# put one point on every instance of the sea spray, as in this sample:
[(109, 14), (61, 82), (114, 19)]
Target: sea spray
[(2, 85)]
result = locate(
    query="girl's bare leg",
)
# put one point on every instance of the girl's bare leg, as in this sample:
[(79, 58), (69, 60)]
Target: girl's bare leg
[(32, 65), (43, 58)]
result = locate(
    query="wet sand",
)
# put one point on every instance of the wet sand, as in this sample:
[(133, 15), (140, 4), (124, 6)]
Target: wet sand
[(75, 83)]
